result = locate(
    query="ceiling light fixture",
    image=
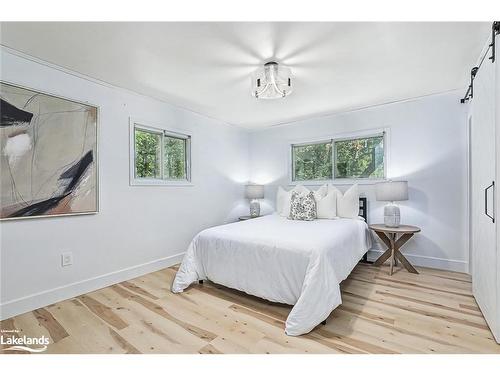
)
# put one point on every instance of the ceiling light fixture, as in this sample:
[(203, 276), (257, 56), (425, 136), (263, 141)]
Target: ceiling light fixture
[(272, 81)]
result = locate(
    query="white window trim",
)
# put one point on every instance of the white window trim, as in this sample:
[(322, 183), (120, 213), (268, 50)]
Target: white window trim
[(340, 137), (135, 123)]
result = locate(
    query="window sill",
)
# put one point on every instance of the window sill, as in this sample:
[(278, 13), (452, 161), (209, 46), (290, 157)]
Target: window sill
[(339, 182), (147, 182)]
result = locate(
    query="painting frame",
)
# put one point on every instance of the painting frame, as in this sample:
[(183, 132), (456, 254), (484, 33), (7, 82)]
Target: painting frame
[(96, 159)]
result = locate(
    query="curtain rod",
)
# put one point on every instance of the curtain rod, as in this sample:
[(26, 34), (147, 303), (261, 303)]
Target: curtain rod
[(495, 29)]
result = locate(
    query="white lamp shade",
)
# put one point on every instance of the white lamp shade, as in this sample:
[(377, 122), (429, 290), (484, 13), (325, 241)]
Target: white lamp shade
[(254, 191), (392, 191)]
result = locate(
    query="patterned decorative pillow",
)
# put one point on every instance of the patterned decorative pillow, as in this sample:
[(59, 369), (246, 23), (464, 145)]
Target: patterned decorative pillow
[(302, 206)]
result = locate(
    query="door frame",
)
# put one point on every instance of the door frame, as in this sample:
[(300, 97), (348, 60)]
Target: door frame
[(469, 238), (497, 176)]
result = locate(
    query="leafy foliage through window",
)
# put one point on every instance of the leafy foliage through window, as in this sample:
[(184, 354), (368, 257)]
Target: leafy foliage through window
[(161, 155), (147, 154), (312, 161), (360, 158), (174, 158), (348, 158)]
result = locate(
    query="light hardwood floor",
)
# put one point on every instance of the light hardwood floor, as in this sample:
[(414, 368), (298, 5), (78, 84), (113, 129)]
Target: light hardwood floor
[(433, 312)]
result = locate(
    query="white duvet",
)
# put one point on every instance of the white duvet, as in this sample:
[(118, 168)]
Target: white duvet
[(300, 263)]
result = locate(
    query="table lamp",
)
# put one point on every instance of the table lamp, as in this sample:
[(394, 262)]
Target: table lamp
[(254, 192), (392, 191)]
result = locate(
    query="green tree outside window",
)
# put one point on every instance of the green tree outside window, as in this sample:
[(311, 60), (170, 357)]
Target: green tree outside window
[(352, 158), (312, 161), (147, 154), (174, 158), (151, 162), (360, 158)]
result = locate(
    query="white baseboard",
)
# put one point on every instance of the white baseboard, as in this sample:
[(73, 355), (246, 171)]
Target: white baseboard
[(430, 262), (34, 301)]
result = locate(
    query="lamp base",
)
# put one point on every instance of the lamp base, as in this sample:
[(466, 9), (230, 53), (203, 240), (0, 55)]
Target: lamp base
[(254, 208), (392, 216)]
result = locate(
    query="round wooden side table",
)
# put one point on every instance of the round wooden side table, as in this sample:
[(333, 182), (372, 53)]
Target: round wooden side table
[(389, 236)]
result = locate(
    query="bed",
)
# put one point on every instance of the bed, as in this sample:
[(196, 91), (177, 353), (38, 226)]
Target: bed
[(299, 263)]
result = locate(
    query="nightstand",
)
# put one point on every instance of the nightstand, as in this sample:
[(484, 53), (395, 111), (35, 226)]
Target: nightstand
[(389, 236)]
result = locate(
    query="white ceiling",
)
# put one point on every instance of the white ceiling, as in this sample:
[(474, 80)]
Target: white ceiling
[(206, 67)]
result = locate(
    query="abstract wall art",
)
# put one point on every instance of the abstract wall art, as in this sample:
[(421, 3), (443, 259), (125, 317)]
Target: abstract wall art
[(48, 155)]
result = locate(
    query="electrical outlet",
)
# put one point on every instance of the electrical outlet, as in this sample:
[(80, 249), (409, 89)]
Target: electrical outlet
[(66, 259)]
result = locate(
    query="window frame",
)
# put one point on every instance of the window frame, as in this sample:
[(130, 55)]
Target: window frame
[(340, 137), (158, 129)]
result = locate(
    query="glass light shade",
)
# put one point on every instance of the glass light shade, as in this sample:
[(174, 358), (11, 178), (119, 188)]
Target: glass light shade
[(392, 191), (272, 81), (254, 191)]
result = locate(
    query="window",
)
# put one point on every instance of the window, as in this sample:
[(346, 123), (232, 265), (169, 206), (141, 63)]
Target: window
[(312, 161), (360, 157), (175, 158), (160, 156), (351, 158), (147, 154)]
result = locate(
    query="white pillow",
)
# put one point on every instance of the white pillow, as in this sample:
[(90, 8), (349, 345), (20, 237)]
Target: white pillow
[(301, 189), (322, 191), (347, 203), (283, 199), (326, 205)]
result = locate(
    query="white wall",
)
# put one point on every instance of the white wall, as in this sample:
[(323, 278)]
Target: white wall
[(139, 228), (427, 147)]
